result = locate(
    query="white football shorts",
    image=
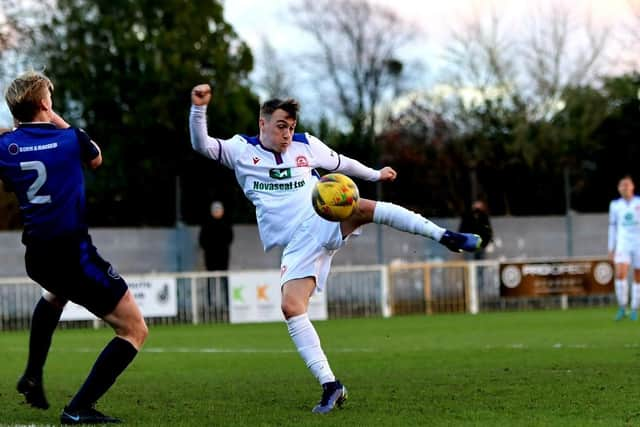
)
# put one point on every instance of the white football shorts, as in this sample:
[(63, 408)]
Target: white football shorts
[(310, 251), (627, 254)]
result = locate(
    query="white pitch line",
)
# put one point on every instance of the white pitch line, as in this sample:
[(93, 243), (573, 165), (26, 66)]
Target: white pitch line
[(243, 350), (556, 346), (204, 350)]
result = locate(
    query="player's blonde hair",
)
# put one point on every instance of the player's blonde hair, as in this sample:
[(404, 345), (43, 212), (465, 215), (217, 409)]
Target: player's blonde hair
[(24, 94)]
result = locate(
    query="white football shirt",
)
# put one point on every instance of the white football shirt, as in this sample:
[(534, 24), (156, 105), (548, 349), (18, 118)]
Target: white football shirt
[(278, 184), (624, 224)]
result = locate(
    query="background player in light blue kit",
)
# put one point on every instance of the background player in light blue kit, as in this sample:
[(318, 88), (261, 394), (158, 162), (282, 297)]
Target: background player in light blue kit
[(41, 161), (624, 245)]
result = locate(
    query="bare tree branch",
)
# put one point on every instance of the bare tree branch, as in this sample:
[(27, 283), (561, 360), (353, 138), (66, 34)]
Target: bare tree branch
[(357, 41), (19, 24), (633, 32), (480, 54), (273, 79), (555, 51)]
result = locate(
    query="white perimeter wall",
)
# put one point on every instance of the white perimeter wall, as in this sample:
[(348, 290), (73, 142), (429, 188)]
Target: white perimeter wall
[(142, 250)]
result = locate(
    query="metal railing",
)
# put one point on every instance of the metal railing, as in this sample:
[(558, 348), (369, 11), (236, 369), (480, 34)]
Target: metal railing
[(352, 291)]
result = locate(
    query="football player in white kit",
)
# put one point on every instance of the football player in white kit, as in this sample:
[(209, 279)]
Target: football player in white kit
[(624, 245), (276, 171)]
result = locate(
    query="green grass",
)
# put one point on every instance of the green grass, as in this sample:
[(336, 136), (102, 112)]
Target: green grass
[(545, 368)]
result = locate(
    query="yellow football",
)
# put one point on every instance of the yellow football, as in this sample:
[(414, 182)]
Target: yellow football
[(335, 197)]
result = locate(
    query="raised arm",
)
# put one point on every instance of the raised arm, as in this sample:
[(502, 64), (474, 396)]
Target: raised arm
[(200, 140), (90, 151), (96, 161), (58, 121)]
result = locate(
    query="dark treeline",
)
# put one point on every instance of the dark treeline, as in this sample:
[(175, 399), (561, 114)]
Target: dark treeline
[(516, 163)]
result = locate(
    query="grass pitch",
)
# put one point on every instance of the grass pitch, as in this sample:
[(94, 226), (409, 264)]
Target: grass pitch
[(545, 368)]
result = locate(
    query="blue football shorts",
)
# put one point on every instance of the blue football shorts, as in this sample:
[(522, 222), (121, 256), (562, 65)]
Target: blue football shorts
[(71, 268)]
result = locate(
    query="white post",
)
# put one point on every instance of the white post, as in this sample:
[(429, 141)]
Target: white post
[(564, 301), (472, 287), (384, 291), (194, 302)]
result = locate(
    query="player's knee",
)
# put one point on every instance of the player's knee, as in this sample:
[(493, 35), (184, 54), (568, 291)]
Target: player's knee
[(141, 331), (135, 332), (366, 208), (54, 300), (292, 307)]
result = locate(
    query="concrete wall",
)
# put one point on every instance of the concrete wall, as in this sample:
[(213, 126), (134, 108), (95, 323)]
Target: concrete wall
[(140, 250)]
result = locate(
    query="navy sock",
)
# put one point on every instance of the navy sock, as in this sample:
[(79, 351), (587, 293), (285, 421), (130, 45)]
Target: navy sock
[(43, 324), (115, 357)]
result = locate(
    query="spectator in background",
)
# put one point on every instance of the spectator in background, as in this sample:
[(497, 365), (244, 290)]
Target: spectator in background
[(215, 238), (476, 221)]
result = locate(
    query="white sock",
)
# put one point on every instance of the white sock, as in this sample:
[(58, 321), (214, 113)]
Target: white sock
[(622, 292), (404, 220), (307, 342), (635, 296)]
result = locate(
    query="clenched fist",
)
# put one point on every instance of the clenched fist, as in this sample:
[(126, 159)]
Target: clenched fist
[(387, 174), (201, 94)]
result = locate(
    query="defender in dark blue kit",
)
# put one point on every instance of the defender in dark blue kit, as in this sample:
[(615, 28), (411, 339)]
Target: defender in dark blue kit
[(42, 160)]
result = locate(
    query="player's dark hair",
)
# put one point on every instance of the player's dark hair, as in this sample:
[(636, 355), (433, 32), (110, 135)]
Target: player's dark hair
[(626, 176), (290, 106)]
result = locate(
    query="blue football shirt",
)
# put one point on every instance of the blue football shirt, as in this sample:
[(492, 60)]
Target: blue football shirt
[(43, 166)]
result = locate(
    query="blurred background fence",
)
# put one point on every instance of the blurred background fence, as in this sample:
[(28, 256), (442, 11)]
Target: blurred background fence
[(357, 291)]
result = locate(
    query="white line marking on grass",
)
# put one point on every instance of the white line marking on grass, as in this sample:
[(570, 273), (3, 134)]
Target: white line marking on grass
[(518, 346), (243, 350), (205, 350)]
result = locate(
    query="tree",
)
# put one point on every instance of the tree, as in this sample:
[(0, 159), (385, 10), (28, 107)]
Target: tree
[(14, 24), (515, 127), (527, 70), (617, 136), (358, 43), (417, 141), (17, 35), (632, 43), (274, 79), (124, 70)]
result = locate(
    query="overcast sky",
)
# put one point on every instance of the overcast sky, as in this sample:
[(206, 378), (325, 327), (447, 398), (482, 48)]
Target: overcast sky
[(255, 20)]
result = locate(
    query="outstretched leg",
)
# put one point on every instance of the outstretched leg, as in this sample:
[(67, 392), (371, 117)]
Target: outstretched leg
[(46, 316), (295, 300), (405, 220)]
